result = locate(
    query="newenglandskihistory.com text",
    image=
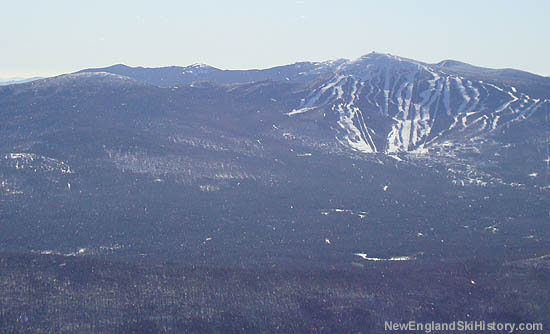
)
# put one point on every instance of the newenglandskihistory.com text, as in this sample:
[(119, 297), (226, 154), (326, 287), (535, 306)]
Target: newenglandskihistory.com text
[(461, 326)]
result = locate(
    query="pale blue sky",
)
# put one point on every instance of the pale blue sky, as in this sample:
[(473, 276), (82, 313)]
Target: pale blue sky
[(60, 36)]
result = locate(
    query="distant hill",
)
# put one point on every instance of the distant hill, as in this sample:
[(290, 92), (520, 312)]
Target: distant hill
[(11, 81)]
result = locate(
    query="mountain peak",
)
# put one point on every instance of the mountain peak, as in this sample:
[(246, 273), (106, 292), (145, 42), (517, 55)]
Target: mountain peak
[(200, 65), (85, 79), (376, 56), (199, 68), (382, 59), (119, 66)]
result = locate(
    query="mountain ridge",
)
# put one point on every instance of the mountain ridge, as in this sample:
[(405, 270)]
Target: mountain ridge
[(448, 63)]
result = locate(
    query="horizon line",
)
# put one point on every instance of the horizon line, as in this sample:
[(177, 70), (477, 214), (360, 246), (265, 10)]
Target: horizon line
[(49, 74)]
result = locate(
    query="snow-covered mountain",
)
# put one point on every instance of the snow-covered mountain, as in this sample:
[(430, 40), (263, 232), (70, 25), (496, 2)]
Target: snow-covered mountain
[(389, 104), (381, 156), (385, 103)]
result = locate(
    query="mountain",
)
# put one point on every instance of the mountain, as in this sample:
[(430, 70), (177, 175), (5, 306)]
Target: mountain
[(313, 196), (389, 104), (318, 164), (385, 103)]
